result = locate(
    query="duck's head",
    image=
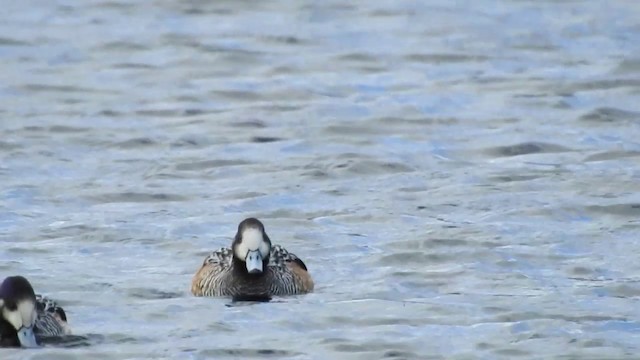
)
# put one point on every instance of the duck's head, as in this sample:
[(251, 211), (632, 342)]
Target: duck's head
[(251, 246), (17, 312)]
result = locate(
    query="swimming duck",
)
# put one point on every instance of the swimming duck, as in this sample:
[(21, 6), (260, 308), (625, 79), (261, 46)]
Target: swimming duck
[(26, 318), (252, 268)]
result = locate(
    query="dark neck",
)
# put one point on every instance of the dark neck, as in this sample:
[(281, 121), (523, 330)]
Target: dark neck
[(240, 269), (8, 335)]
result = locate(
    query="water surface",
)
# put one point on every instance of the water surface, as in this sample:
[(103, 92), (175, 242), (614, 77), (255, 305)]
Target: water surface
[(460, 177)]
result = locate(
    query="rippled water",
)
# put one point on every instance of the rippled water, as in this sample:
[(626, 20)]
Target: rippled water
[(460, 177)]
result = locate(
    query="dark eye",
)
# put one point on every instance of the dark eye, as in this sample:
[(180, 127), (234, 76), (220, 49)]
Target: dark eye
[(11, 305)]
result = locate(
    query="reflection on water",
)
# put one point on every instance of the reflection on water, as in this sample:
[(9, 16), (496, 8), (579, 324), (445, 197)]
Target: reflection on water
[(460, 178)]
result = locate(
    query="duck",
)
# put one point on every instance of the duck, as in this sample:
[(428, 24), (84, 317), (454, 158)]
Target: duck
[(27, 318), (252, 269)]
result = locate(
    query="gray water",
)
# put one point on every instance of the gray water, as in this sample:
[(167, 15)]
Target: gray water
[(460, 177)]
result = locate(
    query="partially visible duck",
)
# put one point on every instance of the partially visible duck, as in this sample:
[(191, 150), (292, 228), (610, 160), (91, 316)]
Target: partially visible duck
[(252, 268), (26, 318)]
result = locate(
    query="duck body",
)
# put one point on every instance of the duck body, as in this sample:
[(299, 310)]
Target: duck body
[(51, 320), (252, 268), (25, 318), (223, 275)]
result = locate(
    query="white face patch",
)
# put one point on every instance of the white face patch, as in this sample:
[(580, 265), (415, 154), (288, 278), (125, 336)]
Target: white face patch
[(252, 240), (24, 315)]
